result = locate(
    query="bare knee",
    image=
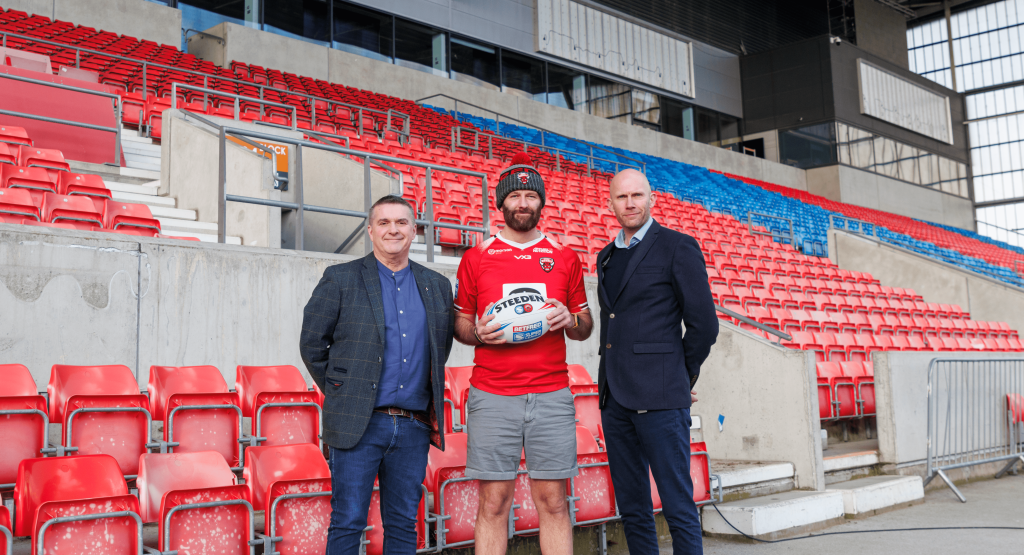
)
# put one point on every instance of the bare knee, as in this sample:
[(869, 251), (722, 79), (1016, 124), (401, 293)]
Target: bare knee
[(496, 498), (549, 496)]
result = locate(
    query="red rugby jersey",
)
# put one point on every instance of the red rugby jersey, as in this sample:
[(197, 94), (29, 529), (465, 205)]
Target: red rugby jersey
[(496, 268)]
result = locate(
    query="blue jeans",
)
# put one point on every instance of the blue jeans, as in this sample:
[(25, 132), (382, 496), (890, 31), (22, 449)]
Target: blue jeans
[(393, 449), (659, 440)]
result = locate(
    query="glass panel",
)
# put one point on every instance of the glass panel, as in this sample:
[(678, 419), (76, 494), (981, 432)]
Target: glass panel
[(730, 126), (646, 107), (808, 147), (362, 32), (689, 129), (672, 117), (567, 88), (420, 47), (475, 63), (302, 19), (707, 126), (609, 99), (523, 76)]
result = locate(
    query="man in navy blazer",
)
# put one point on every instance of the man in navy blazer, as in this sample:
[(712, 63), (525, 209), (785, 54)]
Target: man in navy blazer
[(651, 282)]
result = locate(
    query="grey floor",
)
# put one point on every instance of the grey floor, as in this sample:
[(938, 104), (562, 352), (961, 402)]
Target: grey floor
[(989, 503)]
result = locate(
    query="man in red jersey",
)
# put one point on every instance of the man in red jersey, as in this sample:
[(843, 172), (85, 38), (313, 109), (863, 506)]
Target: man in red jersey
[(520, 399)]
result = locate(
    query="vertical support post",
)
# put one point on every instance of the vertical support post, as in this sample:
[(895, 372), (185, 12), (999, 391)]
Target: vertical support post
[(261, 101), (428, 231), (490, 147), (237, 107), (222, 189), (117, 139), (485, 210), (206, 97), (78, 58), (367, 201), (143, 81), (949, 43), (300, 222), (312, 109)]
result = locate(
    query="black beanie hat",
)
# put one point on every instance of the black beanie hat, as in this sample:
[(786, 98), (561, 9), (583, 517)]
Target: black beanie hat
[(520, 175)]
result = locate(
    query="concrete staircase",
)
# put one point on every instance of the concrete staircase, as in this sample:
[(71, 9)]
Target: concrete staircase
[(139, 183)]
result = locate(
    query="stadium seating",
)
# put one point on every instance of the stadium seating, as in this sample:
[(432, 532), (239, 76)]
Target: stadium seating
[(23, 421), (101, 411), (6, 533), (591, 492), (456, 498), (292, 484), (283, 410), (195, 500), (198, 411), (77, 489)]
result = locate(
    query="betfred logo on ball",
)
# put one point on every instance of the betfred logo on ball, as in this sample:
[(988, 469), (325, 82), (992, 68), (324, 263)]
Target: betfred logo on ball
[(523, 315)]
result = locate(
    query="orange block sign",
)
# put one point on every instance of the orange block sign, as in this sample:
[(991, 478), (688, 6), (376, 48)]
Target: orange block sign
[(281, 157)]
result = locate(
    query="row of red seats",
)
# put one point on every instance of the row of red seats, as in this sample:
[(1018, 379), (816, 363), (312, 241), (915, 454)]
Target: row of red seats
[(846, 389), (840, 347), (787, 320)]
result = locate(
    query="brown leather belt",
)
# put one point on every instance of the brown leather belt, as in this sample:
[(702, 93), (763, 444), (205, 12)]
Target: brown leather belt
[(395, 411)]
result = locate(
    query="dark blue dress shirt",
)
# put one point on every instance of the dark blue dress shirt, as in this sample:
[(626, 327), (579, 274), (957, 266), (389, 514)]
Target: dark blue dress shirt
[(405, 375)]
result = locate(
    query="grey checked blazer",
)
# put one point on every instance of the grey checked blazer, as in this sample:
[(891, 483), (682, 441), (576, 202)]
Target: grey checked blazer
[(342, 345)]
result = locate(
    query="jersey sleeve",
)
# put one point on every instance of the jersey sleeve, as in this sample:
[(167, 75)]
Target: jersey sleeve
[(465, 284), (577, 292)]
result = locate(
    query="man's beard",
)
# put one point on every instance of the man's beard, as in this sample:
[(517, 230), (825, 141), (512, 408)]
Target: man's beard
[(519, 225)]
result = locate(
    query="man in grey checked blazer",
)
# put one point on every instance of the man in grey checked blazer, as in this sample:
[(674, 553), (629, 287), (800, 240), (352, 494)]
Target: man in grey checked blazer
[(376, 334)]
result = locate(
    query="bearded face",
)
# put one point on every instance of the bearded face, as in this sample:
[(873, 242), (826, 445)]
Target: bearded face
[(521, 210)]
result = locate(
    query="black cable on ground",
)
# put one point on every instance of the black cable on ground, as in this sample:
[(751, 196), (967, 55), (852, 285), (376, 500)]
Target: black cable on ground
[(864, 531)]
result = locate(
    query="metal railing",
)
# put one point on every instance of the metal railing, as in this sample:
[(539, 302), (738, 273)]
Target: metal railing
[(116, 130), (852, 225), (457, 142), (369, 159), (237, 98), (768, 222), (390, 114), (975, 415), (780, 336)]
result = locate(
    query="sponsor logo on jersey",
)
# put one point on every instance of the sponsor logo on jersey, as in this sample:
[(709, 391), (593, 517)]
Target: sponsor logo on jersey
[(498, 251), (542, 249), (522, 257), (547, 264)]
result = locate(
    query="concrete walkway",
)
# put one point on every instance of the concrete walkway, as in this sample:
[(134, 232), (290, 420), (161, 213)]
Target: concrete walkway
[(989, 503)]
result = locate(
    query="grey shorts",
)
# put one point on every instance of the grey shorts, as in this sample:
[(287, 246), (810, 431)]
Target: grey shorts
[(501, 426)]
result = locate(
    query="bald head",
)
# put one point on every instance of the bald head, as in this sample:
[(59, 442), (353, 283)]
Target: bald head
[(630, 198)]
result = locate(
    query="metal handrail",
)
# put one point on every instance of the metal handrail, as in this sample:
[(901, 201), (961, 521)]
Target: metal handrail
[(833, 219), (238, 100), (780, 335), (117, 111), (639, 164), (769, 233), (185, 32), (390, 113)]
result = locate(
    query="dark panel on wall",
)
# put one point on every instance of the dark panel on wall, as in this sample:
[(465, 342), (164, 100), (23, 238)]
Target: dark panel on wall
[(759, 24), (846, 89), (787, 87)]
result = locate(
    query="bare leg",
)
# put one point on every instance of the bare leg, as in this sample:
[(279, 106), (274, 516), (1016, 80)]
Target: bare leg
[(553, 510), (492, 516)]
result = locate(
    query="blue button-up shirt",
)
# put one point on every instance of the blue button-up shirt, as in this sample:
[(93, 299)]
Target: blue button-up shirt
[(620, 239), (405, 375)]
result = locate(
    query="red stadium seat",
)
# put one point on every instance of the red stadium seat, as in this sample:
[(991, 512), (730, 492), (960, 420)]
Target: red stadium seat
[(6, 530), (96, 404), (35, 180), (137, 218), (77, 489), (78, 211), (459, 385), (162, 473), (591, 492), (82, 184), (47, 158), (7, 156), (23, 421), (700, 473), (282, 409), (841, 391), (14, 135), (292, 485), (199, 413), (455, 502), (863, 375)]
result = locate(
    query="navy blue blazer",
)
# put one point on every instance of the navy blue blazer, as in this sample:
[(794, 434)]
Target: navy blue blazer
[(645, 359), (342, 345)]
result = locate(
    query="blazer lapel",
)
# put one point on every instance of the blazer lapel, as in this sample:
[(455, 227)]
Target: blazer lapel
[(641, 251), (601, 257), (371, 280)]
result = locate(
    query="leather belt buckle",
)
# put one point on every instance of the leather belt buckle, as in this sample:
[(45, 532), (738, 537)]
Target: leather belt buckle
[(395, 411)]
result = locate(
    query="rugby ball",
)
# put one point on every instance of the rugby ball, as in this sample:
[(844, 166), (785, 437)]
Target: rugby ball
[(523, 316)]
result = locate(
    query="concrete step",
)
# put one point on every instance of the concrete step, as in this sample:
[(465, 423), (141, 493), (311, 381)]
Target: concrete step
[(143, 189), (175, 213), (150, 200), (775, 516), (847, 461), (141, 173), (876, 494), (187, 225), (205, 237), (743, 479), (140, 149), (135, 164), (132, 136)]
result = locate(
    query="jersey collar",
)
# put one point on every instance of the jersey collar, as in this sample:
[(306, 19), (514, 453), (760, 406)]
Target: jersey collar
[(520, 246)]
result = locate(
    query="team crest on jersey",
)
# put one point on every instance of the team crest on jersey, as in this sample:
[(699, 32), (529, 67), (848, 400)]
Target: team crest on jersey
[(523, 177), (547, 264)]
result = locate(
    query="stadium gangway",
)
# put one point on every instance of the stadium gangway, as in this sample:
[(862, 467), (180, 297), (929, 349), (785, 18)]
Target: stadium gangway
[(300, 207), (116, 130), (975, 416), (456, 135), (780, 336), (390, 113), (773, 232), (891, 238)]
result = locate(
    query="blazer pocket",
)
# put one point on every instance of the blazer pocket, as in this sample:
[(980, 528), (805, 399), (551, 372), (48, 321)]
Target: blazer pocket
[(650, 270), (335, 378), (652, 348)]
